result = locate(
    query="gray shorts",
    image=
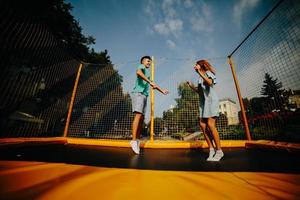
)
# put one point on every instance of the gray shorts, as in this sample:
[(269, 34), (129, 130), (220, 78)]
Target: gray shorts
[(139, 103)]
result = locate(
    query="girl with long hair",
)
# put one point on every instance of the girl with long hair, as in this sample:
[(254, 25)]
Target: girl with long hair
[(209, 107)]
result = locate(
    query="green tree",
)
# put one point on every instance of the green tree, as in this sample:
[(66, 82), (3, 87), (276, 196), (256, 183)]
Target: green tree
[(184, 115), (99, 58), (56, 15), (256, 106), (276, 97), (158, 125)]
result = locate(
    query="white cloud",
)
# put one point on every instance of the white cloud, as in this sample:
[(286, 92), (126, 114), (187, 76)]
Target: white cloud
[(163, 17), (206, 11), (175, 24), (198, 23), (149, 7), (161, 29), (170, 17), (241, 8), (202, 22), (188, 3), (168, 9), (170, 26), (171, 44)]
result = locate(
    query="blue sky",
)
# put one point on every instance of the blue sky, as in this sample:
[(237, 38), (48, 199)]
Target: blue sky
[(175, 32)]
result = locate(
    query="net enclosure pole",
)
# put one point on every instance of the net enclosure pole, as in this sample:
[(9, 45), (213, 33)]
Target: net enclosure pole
[(152, 102), (72, 101), (237, 86)]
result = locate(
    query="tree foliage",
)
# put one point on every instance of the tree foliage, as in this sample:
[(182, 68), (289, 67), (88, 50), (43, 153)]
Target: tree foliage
[(276, 97), (44, 33), (184, 115), (56, 15)]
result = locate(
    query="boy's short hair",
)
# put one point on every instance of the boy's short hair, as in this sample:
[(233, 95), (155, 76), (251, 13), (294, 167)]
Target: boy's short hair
[(145, 57)]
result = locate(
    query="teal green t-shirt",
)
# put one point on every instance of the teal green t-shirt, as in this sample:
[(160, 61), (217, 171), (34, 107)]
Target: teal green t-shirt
[(142, 86)]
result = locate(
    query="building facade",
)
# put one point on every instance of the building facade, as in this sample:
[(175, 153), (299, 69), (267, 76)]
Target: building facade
[(229, 108)]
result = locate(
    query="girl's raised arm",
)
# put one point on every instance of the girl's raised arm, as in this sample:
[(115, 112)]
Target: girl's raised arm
[(192, 86)]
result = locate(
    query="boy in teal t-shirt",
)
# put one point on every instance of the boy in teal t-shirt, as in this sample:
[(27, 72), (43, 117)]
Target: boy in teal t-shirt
[(139, 99), (142, 86)]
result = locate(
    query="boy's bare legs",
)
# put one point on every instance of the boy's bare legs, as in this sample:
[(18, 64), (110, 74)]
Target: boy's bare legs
[(136, 124), (136, 132), (211, 123), (139, 130)]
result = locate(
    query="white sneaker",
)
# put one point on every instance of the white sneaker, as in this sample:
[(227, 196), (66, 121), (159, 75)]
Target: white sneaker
[(211, 154), (134, 146), (138, 145), (217, 157)]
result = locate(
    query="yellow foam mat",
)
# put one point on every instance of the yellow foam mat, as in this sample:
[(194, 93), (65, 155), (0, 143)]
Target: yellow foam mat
[(155, 144), (38, 180), (37, 140)]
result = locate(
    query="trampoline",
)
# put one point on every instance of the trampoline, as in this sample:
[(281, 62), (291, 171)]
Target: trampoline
[(46, 92), (72, 171)]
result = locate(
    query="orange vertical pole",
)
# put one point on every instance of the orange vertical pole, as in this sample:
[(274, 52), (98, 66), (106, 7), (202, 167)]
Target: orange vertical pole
[(237, 86), (72, 100), (152, 103)]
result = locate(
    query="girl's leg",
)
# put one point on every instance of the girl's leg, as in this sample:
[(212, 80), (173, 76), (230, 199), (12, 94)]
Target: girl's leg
[(211, 123), (204, 129), (203, 126), (208, 132)]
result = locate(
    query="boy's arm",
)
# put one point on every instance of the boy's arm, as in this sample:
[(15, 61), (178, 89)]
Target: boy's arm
[(153, 85), (163, 91), (140, 73)]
